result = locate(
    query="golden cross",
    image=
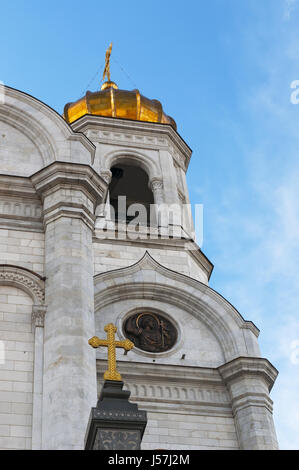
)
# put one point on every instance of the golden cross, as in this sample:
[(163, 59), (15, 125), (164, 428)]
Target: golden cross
[(111, 344), (106, 72)]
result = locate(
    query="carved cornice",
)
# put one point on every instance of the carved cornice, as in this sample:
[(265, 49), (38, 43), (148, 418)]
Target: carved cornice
[(75, 178), (191, 388), (70, 174), (20, 206), (133, 134), (249, 367)]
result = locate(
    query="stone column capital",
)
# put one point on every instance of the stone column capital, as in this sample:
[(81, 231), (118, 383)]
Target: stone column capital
[(69, 190), (73, 175), (242, 367), (38, 315), (106, 174), (156, 184)]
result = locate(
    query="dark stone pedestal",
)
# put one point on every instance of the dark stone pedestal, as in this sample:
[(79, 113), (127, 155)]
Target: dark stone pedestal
[(115, 424)]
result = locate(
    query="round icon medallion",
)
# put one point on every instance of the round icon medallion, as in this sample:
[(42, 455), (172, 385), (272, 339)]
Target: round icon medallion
[(150, 332)]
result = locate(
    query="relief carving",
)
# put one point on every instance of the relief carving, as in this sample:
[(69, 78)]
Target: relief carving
[(150, 332)]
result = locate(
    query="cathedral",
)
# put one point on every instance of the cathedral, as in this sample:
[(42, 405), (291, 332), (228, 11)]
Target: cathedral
[(73, 259)]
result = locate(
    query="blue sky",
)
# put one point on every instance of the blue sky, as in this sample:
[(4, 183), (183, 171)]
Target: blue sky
[(222, 69)]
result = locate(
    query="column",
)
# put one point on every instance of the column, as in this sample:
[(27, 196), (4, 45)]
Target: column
[(70, 194), (249, 380), (38, 316)]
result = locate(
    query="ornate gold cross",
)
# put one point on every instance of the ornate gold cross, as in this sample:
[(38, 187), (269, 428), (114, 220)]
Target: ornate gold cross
[(111, 344)]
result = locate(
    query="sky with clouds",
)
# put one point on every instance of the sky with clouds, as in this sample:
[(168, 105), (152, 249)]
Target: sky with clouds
[(223, 69)]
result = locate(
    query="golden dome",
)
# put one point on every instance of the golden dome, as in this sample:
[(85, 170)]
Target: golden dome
[(112, 102)]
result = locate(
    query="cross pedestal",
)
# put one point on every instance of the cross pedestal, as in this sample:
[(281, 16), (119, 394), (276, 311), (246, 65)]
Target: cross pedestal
[(115, 423)]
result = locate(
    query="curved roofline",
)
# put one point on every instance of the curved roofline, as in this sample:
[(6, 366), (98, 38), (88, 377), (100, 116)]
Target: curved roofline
[(147, 254), (65, 123)]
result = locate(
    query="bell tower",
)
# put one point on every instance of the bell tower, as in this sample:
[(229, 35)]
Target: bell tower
[(144, 161), (196, 366)]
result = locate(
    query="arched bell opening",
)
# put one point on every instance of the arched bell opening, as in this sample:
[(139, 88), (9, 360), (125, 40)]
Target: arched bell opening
[(130, 195)]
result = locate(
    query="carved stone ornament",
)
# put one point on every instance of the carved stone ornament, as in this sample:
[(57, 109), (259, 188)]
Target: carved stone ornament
[(150, 332), (111, 439), (106, 174), (156, 184), (38, 315), (23, 278)]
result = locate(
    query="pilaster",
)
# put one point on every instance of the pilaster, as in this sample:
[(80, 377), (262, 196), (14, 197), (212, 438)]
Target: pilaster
[(249, 380), (70, 193), (38, 318)]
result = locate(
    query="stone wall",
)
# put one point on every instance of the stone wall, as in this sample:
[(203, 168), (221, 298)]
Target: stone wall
[(187, 408), (189, 432), (25, 249), (16, 370), (109, 255)]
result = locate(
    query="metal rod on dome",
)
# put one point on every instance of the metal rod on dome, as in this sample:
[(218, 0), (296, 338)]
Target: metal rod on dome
[(93, 79), (125, 73)]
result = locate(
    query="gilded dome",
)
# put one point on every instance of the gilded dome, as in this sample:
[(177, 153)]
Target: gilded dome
[(112, 102)]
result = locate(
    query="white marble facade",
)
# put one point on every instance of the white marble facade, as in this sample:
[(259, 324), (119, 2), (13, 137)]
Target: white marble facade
[(61, 281)]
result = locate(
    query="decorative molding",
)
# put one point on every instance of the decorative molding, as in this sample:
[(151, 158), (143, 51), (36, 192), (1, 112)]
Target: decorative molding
[(19, 209), (106, 175), (156, 184), (132, 156), (135, 133), (67, 173), (23, 279), (249, 366), (74, 177), (20, 206), (162, 392), (38, 315), (202, 302), (118, 415), (172, 386)]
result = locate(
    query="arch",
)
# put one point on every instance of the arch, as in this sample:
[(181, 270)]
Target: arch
[(24, 279), (51, 135), (45, 146), (132, 157), (192, 296), (131, 182)]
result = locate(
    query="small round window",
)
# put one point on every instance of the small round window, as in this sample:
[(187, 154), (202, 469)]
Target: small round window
[(150, 332)]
